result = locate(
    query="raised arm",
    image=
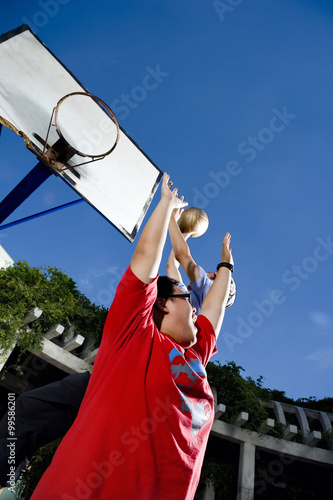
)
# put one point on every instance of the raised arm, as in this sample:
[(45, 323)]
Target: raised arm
[(181, 250), (148, 253), (172, 267), (213, 306)]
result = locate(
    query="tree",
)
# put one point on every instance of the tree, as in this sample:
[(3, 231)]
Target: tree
[(23, 288), (236, 393)]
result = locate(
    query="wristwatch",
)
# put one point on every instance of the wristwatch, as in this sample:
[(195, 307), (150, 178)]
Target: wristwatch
[(225, 264)]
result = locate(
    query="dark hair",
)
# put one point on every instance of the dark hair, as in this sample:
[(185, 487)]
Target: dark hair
[(165, 286)]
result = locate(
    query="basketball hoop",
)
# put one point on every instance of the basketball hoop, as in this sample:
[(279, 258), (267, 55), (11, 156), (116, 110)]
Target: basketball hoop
[(63, 125), (70, 111)]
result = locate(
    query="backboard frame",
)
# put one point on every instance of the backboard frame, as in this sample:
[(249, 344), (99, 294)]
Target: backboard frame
[(70, 177)]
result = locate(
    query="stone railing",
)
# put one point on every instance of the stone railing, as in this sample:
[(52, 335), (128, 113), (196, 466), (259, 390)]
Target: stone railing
[(311, 424), (57, 348)]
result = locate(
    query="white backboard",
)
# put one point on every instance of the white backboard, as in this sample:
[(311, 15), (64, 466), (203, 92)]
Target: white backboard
[(121, 185)]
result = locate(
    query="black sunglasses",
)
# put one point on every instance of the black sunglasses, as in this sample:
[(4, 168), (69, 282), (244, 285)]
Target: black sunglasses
[(182, 296)]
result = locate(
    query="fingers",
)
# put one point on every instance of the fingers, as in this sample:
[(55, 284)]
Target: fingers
[(181, 210), (226, 239), (166, 191), (177, 212), (226, 250), (166, 183), (166, 178), (179, 201)]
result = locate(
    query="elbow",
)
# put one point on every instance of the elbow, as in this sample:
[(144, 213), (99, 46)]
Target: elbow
[(180, 254)]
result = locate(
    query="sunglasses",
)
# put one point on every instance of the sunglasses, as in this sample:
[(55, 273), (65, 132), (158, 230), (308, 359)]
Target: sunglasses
[(186, 296)]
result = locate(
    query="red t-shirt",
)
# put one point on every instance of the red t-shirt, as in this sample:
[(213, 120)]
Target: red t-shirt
[(142, 428)]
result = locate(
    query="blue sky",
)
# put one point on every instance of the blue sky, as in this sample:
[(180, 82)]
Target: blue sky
[(242, 120)]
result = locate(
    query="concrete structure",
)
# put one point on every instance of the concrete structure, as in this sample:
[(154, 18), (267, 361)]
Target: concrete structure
[(284, 448), (54, 352)]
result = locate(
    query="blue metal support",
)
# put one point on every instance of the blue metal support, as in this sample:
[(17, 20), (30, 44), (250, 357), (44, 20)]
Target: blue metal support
[(24, 189), (40, 214)]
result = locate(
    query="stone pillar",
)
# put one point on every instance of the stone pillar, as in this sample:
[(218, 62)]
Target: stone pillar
[(245, 490), (209, 492)]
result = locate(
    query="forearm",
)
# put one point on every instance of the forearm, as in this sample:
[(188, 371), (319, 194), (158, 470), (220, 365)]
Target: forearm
[(179, 245), (148, 253), (181, 250), (172, 267), (216, 299)]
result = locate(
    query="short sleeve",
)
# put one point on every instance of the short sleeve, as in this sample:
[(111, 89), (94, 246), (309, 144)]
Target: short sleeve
[(199, 289), (131, 309), (182, 287)]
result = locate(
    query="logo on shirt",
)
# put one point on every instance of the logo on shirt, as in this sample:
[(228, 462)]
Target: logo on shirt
[(189, 375)]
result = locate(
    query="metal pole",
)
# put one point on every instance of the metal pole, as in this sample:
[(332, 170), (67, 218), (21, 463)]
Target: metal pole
[(40, 214), (24, 189)]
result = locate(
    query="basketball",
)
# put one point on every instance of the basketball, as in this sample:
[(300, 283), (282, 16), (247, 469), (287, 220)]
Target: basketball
[(232, 293), (193, 220)]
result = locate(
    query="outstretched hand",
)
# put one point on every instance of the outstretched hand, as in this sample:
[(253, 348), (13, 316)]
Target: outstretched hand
[(226, 250), (176, 212), (171, 195), (148, 253), (214, 305)]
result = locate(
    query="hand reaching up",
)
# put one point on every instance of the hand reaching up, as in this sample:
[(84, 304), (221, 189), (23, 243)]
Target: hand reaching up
[(171, 196), (226, 250)]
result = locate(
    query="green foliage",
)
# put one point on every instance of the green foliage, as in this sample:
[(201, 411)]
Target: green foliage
[(236, 393), (22, 288), (325, 404), (30, 476), (220, 469), (268, 394), (239, 394), (326, 440), (221, 476), (279, 478)]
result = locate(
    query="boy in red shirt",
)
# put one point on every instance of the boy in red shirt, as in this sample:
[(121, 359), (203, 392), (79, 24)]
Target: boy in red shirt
[(143, 425)]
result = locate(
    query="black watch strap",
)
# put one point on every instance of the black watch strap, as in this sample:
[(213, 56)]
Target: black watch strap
[(225, 264)]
